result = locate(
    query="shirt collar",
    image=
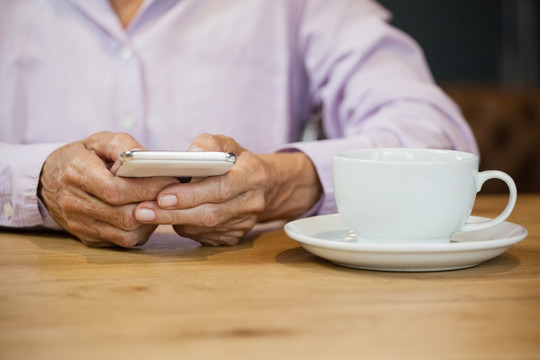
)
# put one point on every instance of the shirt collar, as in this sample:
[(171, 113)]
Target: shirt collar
[(102, 14)]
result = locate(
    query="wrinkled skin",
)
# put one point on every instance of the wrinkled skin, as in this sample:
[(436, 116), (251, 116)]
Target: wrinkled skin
[(88, 201), (220, 210), (101, 209), (216, 210)]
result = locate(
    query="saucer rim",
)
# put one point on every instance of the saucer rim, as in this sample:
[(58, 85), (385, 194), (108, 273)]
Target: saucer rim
[(294, 232)]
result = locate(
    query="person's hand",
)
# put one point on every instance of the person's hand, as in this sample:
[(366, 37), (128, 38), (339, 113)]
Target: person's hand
[(220, 210), (87, 200)]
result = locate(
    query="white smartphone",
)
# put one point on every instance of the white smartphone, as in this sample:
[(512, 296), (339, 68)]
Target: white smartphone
[(180, 164)]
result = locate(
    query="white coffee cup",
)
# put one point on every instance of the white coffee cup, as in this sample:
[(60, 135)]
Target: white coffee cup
[(411, 195)]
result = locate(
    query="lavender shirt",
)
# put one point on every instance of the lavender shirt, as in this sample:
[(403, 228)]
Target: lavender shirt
[(250, 69)]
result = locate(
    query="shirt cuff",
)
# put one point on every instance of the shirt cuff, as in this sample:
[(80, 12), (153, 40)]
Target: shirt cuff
[(19, 175)]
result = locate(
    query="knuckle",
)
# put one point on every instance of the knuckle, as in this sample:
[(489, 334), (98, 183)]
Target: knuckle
[(91, 242), (217, 239), (212, 217), (88, 241), (224, 141), (111, 191), (226, 189), (151, 192), (128, 221), (93, 137), (208, 141), (228, 240), (128, 239), (247, 224), (120, 141), (182, 230), (120, 138), (232, 241), (96, 136), (69, 174)]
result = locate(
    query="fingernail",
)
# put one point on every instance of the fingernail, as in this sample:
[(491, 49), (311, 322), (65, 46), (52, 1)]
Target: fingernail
[(195, 148), (145, 215), (168, 200)]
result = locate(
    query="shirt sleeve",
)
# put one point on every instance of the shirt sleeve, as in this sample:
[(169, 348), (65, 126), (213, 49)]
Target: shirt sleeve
[(374, 87), (20, 168)]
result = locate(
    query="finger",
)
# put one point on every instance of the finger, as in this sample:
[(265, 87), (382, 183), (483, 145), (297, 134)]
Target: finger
[(225, 238), (90, 174), (207, 215), (108, 145), (117, 190), (83, 205), (247, 175), (207, 142), (209, 231), (99, 234), (216, 189), (99, 224), (237, 227)]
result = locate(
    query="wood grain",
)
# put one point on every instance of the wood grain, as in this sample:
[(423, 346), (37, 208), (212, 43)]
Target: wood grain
[(266, 298)]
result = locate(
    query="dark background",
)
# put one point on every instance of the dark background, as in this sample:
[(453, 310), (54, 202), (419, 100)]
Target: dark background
[(485, 55), (493, 41)]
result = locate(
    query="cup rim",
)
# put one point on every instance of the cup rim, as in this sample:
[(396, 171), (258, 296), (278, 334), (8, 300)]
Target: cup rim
[(459, 156)]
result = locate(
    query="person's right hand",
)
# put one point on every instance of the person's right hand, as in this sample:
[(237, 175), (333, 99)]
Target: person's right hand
[(87, 200)]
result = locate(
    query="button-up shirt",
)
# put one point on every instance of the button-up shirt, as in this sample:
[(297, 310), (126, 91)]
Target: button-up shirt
[(254, 70)]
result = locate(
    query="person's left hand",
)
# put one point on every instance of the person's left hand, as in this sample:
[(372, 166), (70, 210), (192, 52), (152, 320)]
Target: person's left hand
[(220, 210)]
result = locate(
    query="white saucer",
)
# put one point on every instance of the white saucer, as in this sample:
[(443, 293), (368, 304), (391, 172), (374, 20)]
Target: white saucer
[(329, 237)]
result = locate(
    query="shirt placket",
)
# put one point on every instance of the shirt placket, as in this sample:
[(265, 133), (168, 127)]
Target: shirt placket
[(128, 93)]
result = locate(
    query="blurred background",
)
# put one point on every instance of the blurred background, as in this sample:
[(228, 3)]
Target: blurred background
[(485, 54)]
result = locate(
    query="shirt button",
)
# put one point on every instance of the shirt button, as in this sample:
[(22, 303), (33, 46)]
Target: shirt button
[(8, 210), (126, 53), (128, 122)]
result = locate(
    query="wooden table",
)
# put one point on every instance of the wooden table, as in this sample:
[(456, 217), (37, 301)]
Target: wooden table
[(264, 299)]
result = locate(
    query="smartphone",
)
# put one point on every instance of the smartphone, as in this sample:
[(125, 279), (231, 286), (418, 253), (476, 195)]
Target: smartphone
[(180, 164)]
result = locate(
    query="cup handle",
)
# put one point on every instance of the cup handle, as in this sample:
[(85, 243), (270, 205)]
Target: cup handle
[(494, 174)]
